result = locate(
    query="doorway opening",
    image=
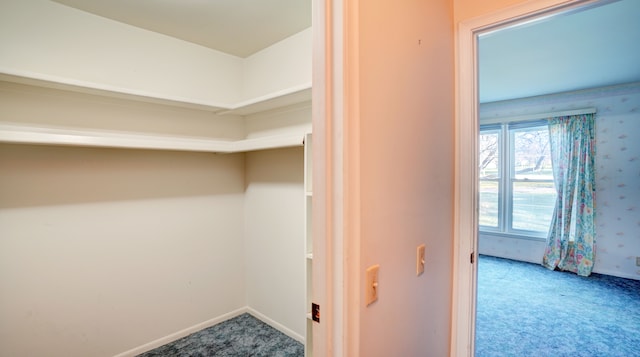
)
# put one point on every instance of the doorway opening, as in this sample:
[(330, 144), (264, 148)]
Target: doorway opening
[(468, 121)]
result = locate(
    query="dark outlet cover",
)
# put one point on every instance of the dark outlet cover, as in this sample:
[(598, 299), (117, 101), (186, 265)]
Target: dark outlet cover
[(315, 312)]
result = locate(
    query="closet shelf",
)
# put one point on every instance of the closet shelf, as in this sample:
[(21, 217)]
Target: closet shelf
[(277, 99), (42, 135)]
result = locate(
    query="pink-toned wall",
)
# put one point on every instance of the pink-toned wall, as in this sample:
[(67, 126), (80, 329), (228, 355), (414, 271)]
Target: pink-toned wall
[(406, 154), (406, 179), (467, 9), (406, 133)]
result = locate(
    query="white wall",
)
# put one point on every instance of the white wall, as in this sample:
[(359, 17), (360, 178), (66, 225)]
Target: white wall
[(32, 105), (274, 237), (104, 250), (617, 176), (274, 221), (281, 66), (405, 103), (153, 240), (46, 40), (292, 120)]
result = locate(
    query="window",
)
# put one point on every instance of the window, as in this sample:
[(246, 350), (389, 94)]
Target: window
[(517, 193), (490, 177)]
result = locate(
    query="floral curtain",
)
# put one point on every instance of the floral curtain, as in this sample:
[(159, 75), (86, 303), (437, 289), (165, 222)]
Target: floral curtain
[(571, 240)]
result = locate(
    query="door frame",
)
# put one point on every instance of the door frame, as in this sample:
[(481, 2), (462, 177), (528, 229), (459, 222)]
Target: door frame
[(465, 240)]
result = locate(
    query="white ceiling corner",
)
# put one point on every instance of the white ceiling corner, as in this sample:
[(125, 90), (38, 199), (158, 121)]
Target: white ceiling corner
[(594, 47), (236, 27)]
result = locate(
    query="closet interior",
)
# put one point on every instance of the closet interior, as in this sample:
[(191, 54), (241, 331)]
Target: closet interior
[(144, 200)]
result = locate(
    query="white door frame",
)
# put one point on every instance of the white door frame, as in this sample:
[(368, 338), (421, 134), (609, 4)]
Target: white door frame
[(337, 333), (465, 240)]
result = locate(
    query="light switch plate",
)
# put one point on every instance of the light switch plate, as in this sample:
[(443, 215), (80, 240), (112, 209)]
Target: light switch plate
[(420, 259), (371, 284)]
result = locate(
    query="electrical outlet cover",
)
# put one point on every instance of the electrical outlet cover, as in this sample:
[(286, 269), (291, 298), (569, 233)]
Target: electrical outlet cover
[(371, 284), (420, 259)]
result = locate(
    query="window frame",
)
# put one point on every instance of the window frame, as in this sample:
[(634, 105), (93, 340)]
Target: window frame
[(506, 156), (490, 129)]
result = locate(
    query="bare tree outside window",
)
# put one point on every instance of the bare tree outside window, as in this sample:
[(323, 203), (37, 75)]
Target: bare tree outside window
[(489, 173), (489, 146), (533, 190), (532, 155)]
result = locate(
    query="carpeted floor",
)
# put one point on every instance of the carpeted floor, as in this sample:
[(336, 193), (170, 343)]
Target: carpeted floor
[(524, 309), (241, 336)]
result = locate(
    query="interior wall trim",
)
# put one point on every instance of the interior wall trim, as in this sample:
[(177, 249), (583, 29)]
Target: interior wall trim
[(521, 118), (278, 326), (182, 333)]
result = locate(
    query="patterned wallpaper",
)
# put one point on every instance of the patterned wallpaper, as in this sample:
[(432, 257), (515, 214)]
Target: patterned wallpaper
[(618, 175)]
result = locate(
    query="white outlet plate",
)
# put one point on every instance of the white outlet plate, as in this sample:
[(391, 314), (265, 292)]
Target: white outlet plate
[(638, 261), (371, 284)]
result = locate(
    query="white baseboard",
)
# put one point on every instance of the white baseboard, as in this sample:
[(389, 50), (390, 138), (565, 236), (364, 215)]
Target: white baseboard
[(276, 325), (596, 270), (616, 273), (182, 333)]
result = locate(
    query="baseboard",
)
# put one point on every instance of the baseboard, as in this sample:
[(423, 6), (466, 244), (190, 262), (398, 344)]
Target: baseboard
[(182, 333), (276, 325), (616, 274)]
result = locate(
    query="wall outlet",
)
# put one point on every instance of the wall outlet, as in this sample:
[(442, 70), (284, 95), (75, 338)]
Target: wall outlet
[(420, 259), (371, 288), (638, 261)]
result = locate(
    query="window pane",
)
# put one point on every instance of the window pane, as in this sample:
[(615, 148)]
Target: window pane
[(489, 203), (533, 204), (531, 156), (489, 161)]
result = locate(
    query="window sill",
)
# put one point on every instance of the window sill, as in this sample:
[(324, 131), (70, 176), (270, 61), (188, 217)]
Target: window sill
[(514, 236)]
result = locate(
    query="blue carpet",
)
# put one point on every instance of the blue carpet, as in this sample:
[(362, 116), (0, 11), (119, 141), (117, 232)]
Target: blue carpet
[(524, 309), (241, 336)]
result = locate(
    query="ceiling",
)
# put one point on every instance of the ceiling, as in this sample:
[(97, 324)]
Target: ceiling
[(236, 27), (587, 48)]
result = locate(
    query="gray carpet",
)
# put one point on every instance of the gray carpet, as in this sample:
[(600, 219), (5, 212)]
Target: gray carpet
[(242, 336), (527, 310)]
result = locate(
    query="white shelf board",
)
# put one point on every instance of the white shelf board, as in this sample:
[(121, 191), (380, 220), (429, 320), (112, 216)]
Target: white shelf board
[(38, 80), (42, 135), (277, 99), (267, 142)]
